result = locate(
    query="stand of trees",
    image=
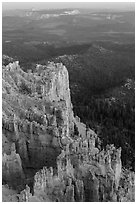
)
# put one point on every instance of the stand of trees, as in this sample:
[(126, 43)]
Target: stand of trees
[(114, 123)]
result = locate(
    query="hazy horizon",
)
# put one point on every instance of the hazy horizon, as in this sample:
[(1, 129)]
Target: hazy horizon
[(61, 5)]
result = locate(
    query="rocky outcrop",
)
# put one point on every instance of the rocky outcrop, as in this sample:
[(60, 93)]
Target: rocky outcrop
[(41, 132), (37, 112), (81, 175), (12, 172)]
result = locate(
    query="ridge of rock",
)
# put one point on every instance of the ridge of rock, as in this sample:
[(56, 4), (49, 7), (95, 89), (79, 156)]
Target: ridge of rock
[(40, 131), (37, 111)]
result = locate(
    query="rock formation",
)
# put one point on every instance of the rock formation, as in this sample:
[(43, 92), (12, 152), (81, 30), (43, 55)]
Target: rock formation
[(40, 133), (12, 172), (81, 176), (37, 112)]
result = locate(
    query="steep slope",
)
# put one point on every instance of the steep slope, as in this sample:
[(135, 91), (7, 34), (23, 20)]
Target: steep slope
[(40, 131), (96, 77), (37, 114)]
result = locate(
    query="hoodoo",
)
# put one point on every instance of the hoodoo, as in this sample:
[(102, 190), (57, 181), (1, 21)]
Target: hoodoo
[(42, 153)]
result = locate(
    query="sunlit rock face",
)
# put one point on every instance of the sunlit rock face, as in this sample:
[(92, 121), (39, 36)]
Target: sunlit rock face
[(83, 174), (37, 113), (40, 133)]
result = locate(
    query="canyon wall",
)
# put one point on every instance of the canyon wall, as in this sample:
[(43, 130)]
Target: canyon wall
[(37, 113), (40, 133)]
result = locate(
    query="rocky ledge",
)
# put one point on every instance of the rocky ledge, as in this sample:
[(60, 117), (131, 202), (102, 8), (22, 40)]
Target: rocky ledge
[(41, 134)]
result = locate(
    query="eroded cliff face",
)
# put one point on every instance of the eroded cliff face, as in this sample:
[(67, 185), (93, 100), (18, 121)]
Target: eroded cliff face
[(40, 132), (83, 174), (37, 113), (12, 172)]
